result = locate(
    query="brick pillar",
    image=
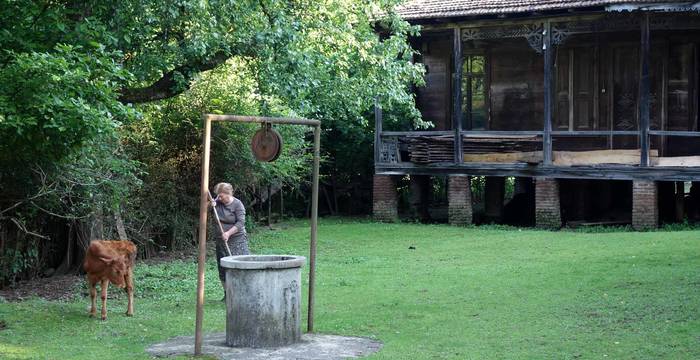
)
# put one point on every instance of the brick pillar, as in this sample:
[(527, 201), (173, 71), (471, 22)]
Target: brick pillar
[(385, 198), (645, 204), (419, 198), (459, 199), (547, 209)]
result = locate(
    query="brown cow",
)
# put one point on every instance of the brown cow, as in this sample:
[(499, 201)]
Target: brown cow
[(110, 261)]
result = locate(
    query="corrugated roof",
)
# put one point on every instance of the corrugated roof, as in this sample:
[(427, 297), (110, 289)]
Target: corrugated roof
[(429, 9)]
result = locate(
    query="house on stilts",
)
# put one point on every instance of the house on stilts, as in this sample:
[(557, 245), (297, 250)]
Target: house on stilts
[(591, 106)]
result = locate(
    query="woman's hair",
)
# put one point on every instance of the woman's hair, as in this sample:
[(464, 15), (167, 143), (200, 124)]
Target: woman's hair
[(223, 188)]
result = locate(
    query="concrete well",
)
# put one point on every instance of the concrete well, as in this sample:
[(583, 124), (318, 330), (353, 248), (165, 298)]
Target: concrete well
[(263, 295)]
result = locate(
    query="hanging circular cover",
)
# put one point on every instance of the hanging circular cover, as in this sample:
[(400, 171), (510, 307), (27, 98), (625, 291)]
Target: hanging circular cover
[(266, 144)]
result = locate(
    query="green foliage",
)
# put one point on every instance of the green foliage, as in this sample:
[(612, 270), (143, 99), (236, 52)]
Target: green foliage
[(52, 104), (74, 149), (168, 142)]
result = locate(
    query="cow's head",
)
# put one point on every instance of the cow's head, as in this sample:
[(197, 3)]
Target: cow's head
[(117, 269)]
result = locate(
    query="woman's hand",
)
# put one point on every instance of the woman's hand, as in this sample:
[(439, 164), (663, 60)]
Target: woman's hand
[(228, 234)]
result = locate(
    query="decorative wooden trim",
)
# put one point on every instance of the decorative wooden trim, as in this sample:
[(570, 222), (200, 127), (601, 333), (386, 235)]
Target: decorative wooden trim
[(532, 32), (564, 27), (389, 151)]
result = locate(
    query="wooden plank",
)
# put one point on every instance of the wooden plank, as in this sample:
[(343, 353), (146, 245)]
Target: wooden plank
[(571, 158), (594, 133), (675, 133), (501, 134), (685, 161), (583, 223), (418, 133), (597, 172), (530, 157)]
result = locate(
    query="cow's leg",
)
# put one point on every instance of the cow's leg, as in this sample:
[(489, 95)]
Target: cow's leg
[(104, 285), (130, 293), (93, 295)]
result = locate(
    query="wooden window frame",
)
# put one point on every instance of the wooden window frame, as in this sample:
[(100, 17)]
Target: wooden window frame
[(467, 99)]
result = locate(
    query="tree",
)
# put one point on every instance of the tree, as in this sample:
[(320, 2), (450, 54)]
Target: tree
[(73, 75)]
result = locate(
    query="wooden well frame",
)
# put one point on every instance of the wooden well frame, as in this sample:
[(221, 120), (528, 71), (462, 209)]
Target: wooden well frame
[(207, 120)]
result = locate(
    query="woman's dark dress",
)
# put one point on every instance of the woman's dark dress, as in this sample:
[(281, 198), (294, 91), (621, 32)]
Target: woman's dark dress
[(231, 215)]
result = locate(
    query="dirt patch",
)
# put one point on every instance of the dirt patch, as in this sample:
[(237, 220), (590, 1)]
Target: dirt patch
[(51, 288), (66, 287)]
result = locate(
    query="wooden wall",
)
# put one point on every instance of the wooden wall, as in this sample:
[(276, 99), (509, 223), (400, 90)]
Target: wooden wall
[(435, 98)]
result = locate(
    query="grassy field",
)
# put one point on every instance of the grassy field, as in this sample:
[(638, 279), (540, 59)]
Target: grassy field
[(426, 292)]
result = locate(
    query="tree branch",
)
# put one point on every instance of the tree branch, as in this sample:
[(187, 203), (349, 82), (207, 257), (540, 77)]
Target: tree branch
[(166, 87), (24, 229)]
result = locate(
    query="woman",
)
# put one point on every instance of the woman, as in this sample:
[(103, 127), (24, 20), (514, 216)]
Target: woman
[(232, 215)]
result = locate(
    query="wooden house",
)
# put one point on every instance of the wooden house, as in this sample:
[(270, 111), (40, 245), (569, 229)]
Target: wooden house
[(591, 105)]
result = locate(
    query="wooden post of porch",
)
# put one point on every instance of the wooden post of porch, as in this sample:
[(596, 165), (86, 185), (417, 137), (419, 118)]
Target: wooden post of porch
[(644, 92), (548, 93), (377, 129), (457, 95)]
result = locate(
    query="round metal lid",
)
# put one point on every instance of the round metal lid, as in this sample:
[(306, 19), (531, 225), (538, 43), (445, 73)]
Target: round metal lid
[(266, 144)]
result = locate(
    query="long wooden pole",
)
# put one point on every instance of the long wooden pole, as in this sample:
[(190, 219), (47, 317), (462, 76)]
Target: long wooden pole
[(644, 92), (314, 227), (203, 204), (263, 119), (457, 95), (218, 221), (548, 49)]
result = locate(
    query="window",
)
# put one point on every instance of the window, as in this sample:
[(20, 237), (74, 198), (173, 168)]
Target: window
[(575, 105), (473, 93)]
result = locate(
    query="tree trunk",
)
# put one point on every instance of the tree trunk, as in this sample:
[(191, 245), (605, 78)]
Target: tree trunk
[(121, 230), (97, 228), (328, 200), (67, 262)]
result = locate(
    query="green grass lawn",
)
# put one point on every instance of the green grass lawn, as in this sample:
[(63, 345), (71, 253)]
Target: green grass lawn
[(462, 293)]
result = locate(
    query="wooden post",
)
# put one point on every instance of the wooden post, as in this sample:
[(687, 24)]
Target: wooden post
[(377, 129), (680, 201), (644, 93), (203, 205), (548, 64), (269, 206), (457, 96), (281, 202), (314, 227)]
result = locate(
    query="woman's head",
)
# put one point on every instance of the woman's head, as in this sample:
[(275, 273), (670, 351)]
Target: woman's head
[(224, 191)]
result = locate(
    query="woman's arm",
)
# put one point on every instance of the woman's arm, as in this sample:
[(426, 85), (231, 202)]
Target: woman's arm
[(239, 210), (240, 217)]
